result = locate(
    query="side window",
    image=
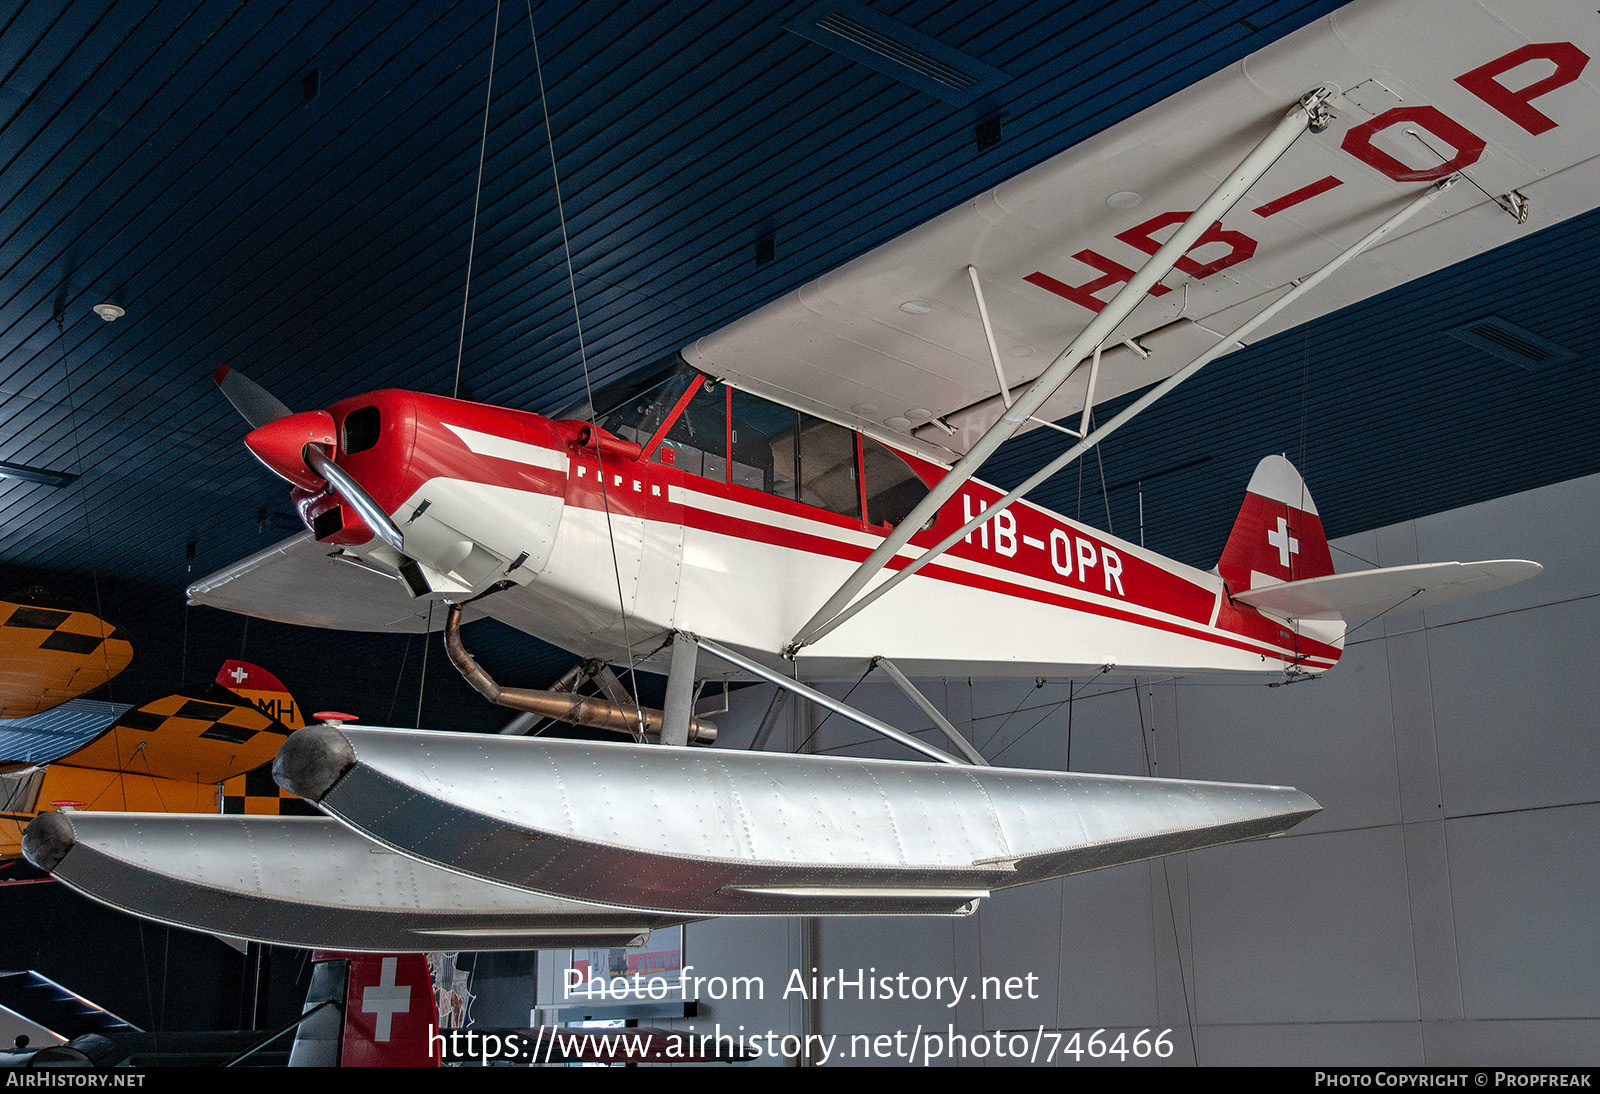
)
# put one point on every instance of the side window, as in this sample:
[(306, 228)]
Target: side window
[(828, 467), (638, 417), (793, 455), (763, 446), (893, 489)]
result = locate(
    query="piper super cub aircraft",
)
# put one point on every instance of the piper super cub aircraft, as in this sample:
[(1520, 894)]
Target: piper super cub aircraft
[(793, 499)]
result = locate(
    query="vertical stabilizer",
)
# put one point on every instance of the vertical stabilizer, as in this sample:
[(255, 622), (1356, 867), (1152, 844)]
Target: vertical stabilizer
[(385, 1013), (1278, 535)]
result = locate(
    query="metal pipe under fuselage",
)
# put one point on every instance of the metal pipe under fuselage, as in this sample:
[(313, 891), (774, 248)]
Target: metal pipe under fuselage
[(583, 710)]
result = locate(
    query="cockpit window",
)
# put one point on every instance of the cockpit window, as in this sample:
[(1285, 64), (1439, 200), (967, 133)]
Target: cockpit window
[(630, 390), (791, 454), (732, 436), (640, 412), (893, 489), (361, 430), (828, 467), (697, 441)]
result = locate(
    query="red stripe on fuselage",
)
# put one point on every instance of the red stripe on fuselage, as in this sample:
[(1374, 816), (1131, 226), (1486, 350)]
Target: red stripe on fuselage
[(642, 490), (620, 496)]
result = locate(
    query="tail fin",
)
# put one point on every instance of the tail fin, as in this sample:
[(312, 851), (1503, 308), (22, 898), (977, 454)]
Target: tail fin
[(1278, 535), (384, 1013)]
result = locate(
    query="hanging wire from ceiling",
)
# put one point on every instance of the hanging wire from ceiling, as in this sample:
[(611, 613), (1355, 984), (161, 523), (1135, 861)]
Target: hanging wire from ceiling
[(1152, 768), (422, 678), (83, 494), (477, 196), (400, 677), (583, 359)]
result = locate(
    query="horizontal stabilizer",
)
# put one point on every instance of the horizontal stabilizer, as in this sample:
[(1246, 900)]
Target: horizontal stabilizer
[(308, 882), (1367, 592), (717, 832), (302, 581)]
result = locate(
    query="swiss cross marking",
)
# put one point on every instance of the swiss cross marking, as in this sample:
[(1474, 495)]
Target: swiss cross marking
[(238, 674), (386, 999), (1286, 544)]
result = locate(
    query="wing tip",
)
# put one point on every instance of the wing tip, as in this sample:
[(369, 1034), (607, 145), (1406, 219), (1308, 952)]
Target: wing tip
[(219, 374)]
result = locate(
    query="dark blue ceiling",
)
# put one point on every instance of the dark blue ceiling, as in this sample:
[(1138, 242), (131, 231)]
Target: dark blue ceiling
[(289, 188)]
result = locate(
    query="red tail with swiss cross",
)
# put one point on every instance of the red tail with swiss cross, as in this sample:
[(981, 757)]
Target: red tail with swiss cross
[(1278, 535)]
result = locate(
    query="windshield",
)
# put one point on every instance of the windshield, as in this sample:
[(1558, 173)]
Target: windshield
[(639, 389)]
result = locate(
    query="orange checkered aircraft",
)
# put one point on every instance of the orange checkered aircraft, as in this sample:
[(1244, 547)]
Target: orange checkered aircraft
[(51, 651), (204, 749)]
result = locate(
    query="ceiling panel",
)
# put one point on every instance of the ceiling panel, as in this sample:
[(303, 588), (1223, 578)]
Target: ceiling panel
[(289, 188)]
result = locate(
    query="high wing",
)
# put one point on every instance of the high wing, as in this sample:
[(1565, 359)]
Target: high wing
[(302, 581), (893, 343)]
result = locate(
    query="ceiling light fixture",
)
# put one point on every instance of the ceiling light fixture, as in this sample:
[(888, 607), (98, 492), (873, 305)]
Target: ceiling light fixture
[(109, 312)]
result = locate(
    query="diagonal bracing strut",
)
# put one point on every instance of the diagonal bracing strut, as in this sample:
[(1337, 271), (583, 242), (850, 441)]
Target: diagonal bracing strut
[(1142, 403), (1309, 111)]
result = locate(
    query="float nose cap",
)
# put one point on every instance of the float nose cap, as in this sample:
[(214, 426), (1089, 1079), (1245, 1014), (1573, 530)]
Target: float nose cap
[(47, 840), (312, 761)]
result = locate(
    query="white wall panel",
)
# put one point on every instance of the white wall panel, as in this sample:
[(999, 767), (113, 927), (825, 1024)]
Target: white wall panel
[(1309, 928), (1557, 526), (1526, 887), (1339, 1044), (1442, 909), (1543, 1043), (1332, 737), (1517, 707)]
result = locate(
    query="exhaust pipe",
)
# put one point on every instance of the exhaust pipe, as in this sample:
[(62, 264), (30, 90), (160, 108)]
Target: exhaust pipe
[(564, 706)]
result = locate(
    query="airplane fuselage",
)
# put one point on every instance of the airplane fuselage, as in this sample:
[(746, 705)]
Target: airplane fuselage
[(604, 546)]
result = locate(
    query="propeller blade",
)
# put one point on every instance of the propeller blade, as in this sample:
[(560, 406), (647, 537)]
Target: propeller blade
[(253, 402), (361, 501)]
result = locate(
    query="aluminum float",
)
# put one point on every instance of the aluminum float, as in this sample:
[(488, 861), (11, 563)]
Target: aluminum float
[(713, 832), (308, 882)]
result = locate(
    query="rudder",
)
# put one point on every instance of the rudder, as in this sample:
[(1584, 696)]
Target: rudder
[(1278, 534)]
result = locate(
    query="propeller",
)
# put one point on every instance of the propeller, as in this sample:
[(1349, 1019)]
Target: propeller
[(290, 445), (255, 404)]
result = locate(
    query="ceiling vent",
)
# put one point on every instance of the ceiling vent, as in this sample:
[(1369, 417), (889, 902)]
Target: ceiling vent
[(1510, 342), (894, 49)]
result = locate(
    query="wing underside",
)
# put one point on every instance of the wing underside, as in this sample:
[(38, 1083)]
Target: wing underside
[(311, 584), (893, 341)]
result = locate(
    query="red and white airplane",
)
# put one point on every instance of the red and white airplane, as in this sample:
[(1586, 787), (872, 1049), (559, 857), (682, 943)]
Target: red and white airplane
[(730, 495), (730, 517), (795, 495)]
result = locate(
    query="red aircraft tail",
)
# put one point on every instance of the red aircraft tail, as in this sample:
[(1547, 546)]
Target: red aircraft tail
[(379, 1011), (1278, 535)]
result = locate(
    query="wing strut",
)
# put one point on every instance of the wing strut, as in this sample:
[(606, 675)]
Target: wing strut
[(1138, 406), (773, 677), (1309, 111), (931, 711), (988, 334)]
